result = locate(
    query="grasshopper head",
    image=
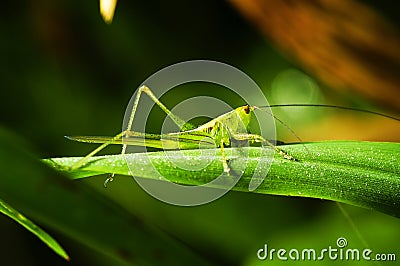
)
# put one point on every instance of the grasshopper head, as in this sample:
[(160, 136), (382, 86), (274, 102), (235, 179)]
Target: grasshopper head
[(244, 113)]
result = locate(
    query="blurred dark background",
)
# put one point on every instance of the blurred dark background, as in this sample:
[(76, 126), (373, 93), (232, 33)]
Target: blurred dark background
[(66, 72)]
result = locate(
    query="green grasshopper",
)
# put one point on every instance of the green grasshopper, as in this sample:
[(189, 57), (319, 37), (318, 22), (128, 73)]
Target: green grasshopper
[(219, 132)]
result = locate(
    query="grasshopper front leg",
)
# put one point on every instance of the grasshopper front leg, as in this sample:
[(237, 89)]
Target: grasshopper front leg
[(227, 169), (253, 138)]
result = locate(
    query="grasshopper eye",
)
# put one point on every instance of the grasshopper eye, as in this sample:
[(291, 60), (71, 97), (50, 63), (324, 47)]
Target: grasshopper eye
[(246, 109)]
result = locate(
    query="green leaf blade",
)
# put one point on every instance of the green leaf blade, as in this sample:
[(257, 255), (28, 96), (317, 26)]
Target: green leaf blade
[(33, 228), (365, 174)]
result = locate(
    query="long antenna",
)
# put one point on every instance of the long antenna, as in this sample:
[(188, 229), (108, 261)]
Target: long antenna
[(329, 106), (316, 105), (280, 121), (284, 124)]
